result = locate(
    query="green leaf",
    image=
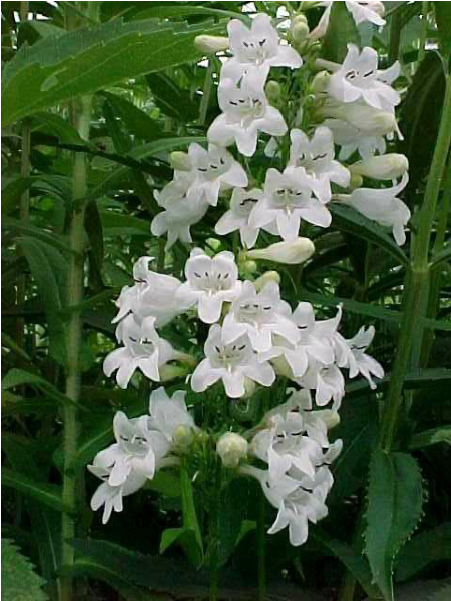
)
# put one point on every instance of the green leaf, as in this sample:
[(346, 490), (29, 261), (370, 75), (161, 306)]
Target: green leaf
[(90, 59), (164, 12), (395, 502), (47, 494), (341, 31), (171, 99), (19, 377), (53, 124), (165, 483), (442, 257), (443, 18), (12, 189), (186, 538), (428, 547), (349, 220), (190, 521), (430, 437), (19, 581), (136, 121)]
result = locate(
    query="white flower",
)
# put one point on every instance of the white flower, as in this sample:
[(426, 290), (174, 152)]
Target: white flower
[(288, 199), (371, 12), (214, 169), (359, 361), (180, 213), (327, 381), (245, 112), (232, 448), (284, 446), (388, 166), (259, 315), (317, 157), (167, 414), (107, 496), (153, 295), (143, 349), (140, 449), (237, 218), (382, 206), (210, 283), (292, 252), (210, 44), (257, 49), (359, 77), (231, 363)]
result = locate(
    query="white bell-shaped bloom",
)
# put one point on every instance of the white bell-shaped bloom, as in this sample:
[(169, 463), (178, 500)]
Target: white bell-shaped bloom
[(209, 283), (327, 381), (107, 496), (153, 295), (317, 156), (259, 315), (168, 413), (214, 169), (363, 12), (359, 361), (232, 363), (288, 199), (359, 78), (141, 448), (245, 112), (180, 212), (382, 205), (143, 349), (256, 49), (285, 446), (237, 217)]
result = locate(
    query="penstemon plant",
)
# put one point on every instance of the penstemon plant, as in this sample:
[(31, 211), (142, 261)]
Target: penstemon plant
[(267, 364)]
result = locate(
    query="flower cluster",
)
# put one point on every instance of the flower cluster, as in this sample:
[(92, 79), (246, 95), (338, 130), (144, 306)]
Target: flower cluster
[(143, 445), (254, 335)]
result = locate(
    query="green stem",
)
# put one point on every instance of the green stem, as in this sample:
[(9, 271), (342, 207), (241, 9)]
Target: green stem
[(261, 548), (417, 286), (205, 102), (214, 530), (424, 31), (81, 118), (395, 38)]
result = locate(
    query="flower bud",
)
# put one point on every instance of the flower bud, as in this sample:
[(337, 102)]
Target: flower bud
[(282, 367), (232, 448), (172, 372), (272, 90), (299, 32), (268, 276), (291, 253), (209, 44), (320, 82), (365, 118), (329, 416), (356, 181), (182, 437), (180, 161), (249, 388), (249, 267), (387, 166)]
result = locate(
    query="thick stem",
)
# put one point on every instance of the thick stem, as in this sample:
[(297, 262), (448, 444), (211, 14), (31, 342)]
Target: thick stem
[(424, 30), (261, 548), (395, 37), (81, 118), (205, 102), (214, 530), (418, 280)]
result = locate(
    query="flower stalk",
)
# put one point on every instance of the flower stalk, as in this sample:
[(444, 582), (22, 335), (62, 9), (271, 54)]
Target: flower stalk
[(417, 289), (214, 530), (81, 111)]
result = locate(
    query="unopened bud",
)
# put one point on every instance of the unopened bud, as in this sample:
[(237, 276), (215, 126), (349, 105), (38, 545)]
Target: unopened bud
[(365, 118), (268, 276), (172, 372), (182, 437), (249, 388), (292, 252), (272, 90), (329, 416), (232, 448), (320, 82), (282, 367), (300, 32), (387, 166), (180, 161), (209, 44), (356, 181)]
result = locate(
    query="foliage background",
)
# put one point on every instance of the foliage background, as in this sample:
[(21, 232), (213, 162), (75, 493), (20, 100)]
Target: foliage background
[(151, 95)]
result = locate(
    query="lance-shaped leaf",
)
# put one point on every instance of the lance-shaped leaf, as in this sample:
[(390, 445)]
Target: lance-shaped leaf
[(89, 59), (395, 501)]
